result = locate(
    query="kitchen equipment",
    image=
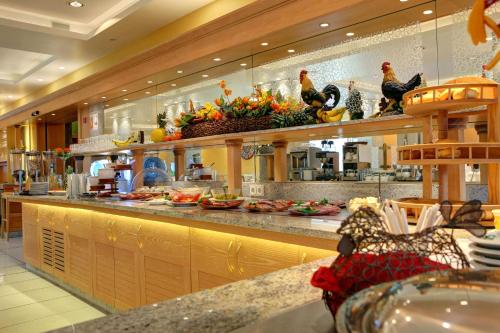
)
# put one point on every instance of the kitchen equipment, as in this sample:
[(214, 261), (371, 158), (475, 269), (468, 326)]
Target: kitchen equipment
[(302, 158), (17, 166), (34, 164), (307, 174), (329, 164), (357, 156)]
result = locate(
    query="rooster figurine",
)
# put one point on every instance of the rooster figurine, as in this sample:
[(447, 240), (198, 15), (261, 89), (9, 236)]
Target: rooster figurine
[(393, 90), (318, 100)]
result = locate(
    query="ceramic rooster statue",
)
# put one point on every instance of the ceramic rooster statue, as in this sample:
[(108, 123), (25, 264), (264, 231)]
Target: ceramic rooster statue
[(317, 101), (478, 22), (393, 90)]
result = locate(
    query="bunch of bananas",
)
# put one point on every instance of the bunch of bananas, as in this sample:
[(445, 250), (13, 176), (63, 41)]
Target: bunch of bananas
[(125, 143), (331, 116)]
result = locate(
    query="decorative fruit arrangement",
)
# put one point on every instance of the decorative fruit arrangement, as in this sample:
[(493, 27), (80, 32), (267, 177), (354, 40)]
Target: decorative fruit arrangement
[(289, 112), (172, 136), (207, 112), (134, 138), (159, 133), (331, 116)]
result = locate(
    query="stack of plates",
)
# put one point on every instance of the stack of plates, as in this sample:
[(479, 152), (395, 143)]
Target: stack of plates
[(485, 251), (39, 188)]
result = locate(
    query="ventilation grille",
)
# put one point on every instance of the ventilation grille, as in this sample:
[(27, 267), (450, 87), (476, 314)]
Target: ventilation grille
[(59, 251), (47, 247)]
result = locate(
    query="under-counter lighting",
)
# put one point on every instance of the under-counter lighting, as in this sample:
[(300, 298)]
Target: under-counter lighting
[(76, 4), (217, 59), (427, 12), (264, 44), (349, 34), (403, 0), (408, 126), (291, 51), (324, 25)]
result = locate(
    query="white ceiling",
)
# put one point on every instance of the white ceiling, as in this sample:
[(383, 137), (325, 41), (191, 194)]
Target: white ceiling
[(43, 40)]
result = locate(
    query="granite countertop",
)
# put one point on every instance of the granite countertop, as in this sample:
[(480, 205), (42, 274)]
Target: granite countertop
[(317, 227), (221, 309)]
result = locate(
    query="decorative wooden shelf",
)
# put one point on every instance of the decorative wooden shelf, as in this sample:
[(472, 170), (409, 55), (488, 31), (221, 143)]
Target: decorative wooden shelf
[(414, 206), (451, 97), (354, 128), (449, 153)]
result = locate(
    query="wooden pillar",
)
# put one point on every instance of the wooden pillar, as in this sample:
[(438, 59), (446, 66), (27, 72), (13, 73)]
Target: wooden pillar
[(233, 148), (280, 161), (138, 156), (180, 162), (456, 173), (443, 169), (482, 132), (270, 167), (427, 169), (494, 168)]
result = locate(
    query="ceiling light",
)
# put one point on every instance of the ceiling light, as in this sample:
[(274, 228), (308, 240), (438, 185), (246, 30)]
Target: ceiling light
[(124, 90), (10, 96), (264, 44), (174, 85), (217, 59), (39, 80), (76, 4), (39, 119), (148, 92), (324, 25), (103, 97), (180, 71), (403, 0), (427, 12), (349, 34), (52, 114), (204, 75), (85, 103), (125, 99), (61, 67), (107, 105), (446, 325), (260, 83), (150, 81), (464, 303), (243, 65), (291, 51)]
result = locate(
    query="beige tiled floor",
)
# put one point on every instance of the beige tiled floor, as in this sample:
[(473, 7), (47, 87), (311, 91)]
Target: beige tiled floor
[(28, 303)]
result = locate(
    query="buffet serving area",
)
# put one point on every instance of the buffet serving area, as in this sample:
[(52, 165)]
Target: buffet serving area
[(233, 194)]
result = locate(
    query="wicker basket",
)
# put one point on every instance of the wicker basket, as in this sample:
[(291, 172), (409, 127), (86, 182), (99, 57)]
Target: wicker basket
[(226, 126)]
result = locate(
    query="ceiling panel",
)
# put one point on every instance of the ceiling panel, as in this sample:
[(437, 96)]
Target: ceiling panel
[(16, 64)]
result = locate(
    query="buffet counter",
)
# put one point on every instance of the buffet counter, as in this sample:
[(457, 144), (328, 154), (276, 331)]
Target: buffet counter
[(122, 255)]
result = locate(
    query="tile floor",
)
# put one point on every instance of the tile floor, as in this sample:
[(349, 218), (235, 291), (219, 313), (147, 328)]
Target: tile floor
[(28, 303)]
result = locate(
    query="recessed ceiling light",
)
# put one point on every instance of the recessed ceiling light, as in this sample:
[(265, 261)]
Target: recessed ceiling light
[(103, 97), (75, 4), (107, 105), (125, 99), (291, 51), (148, 92), (85, 103), (260, 83), (39, 80), (403, 0), (61, 67), (150, 81), (217, 59), (324, 25), (243, 65), (204, 75), (264, 44), (180, 71), (10, 96), (124, 90), (427, 12), (349, 34), (52, 114), (174, 85)]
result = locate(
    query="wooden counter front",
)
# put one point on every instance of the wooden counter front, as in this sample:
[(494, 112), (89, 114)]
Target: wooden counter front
[(126, 261)]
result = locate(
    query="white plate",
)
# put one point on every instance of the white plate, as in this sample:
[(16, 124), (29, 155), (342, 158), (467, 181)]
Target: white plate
[(492, 253), (490, 240), (156, 203), (483, 260)]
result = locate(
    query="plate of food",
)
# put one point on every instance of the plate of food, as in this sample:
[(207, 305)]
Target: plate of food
[(314, 208), (211, 203), (136, 196), (268, 205)]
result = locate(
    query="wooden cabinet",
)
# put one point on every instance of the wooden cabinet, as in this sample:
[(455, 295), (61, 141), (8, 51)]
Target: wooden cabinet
[(212, 259), (255, 256), (31, 235), (78, 254), (308, 254), (166, 261)]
